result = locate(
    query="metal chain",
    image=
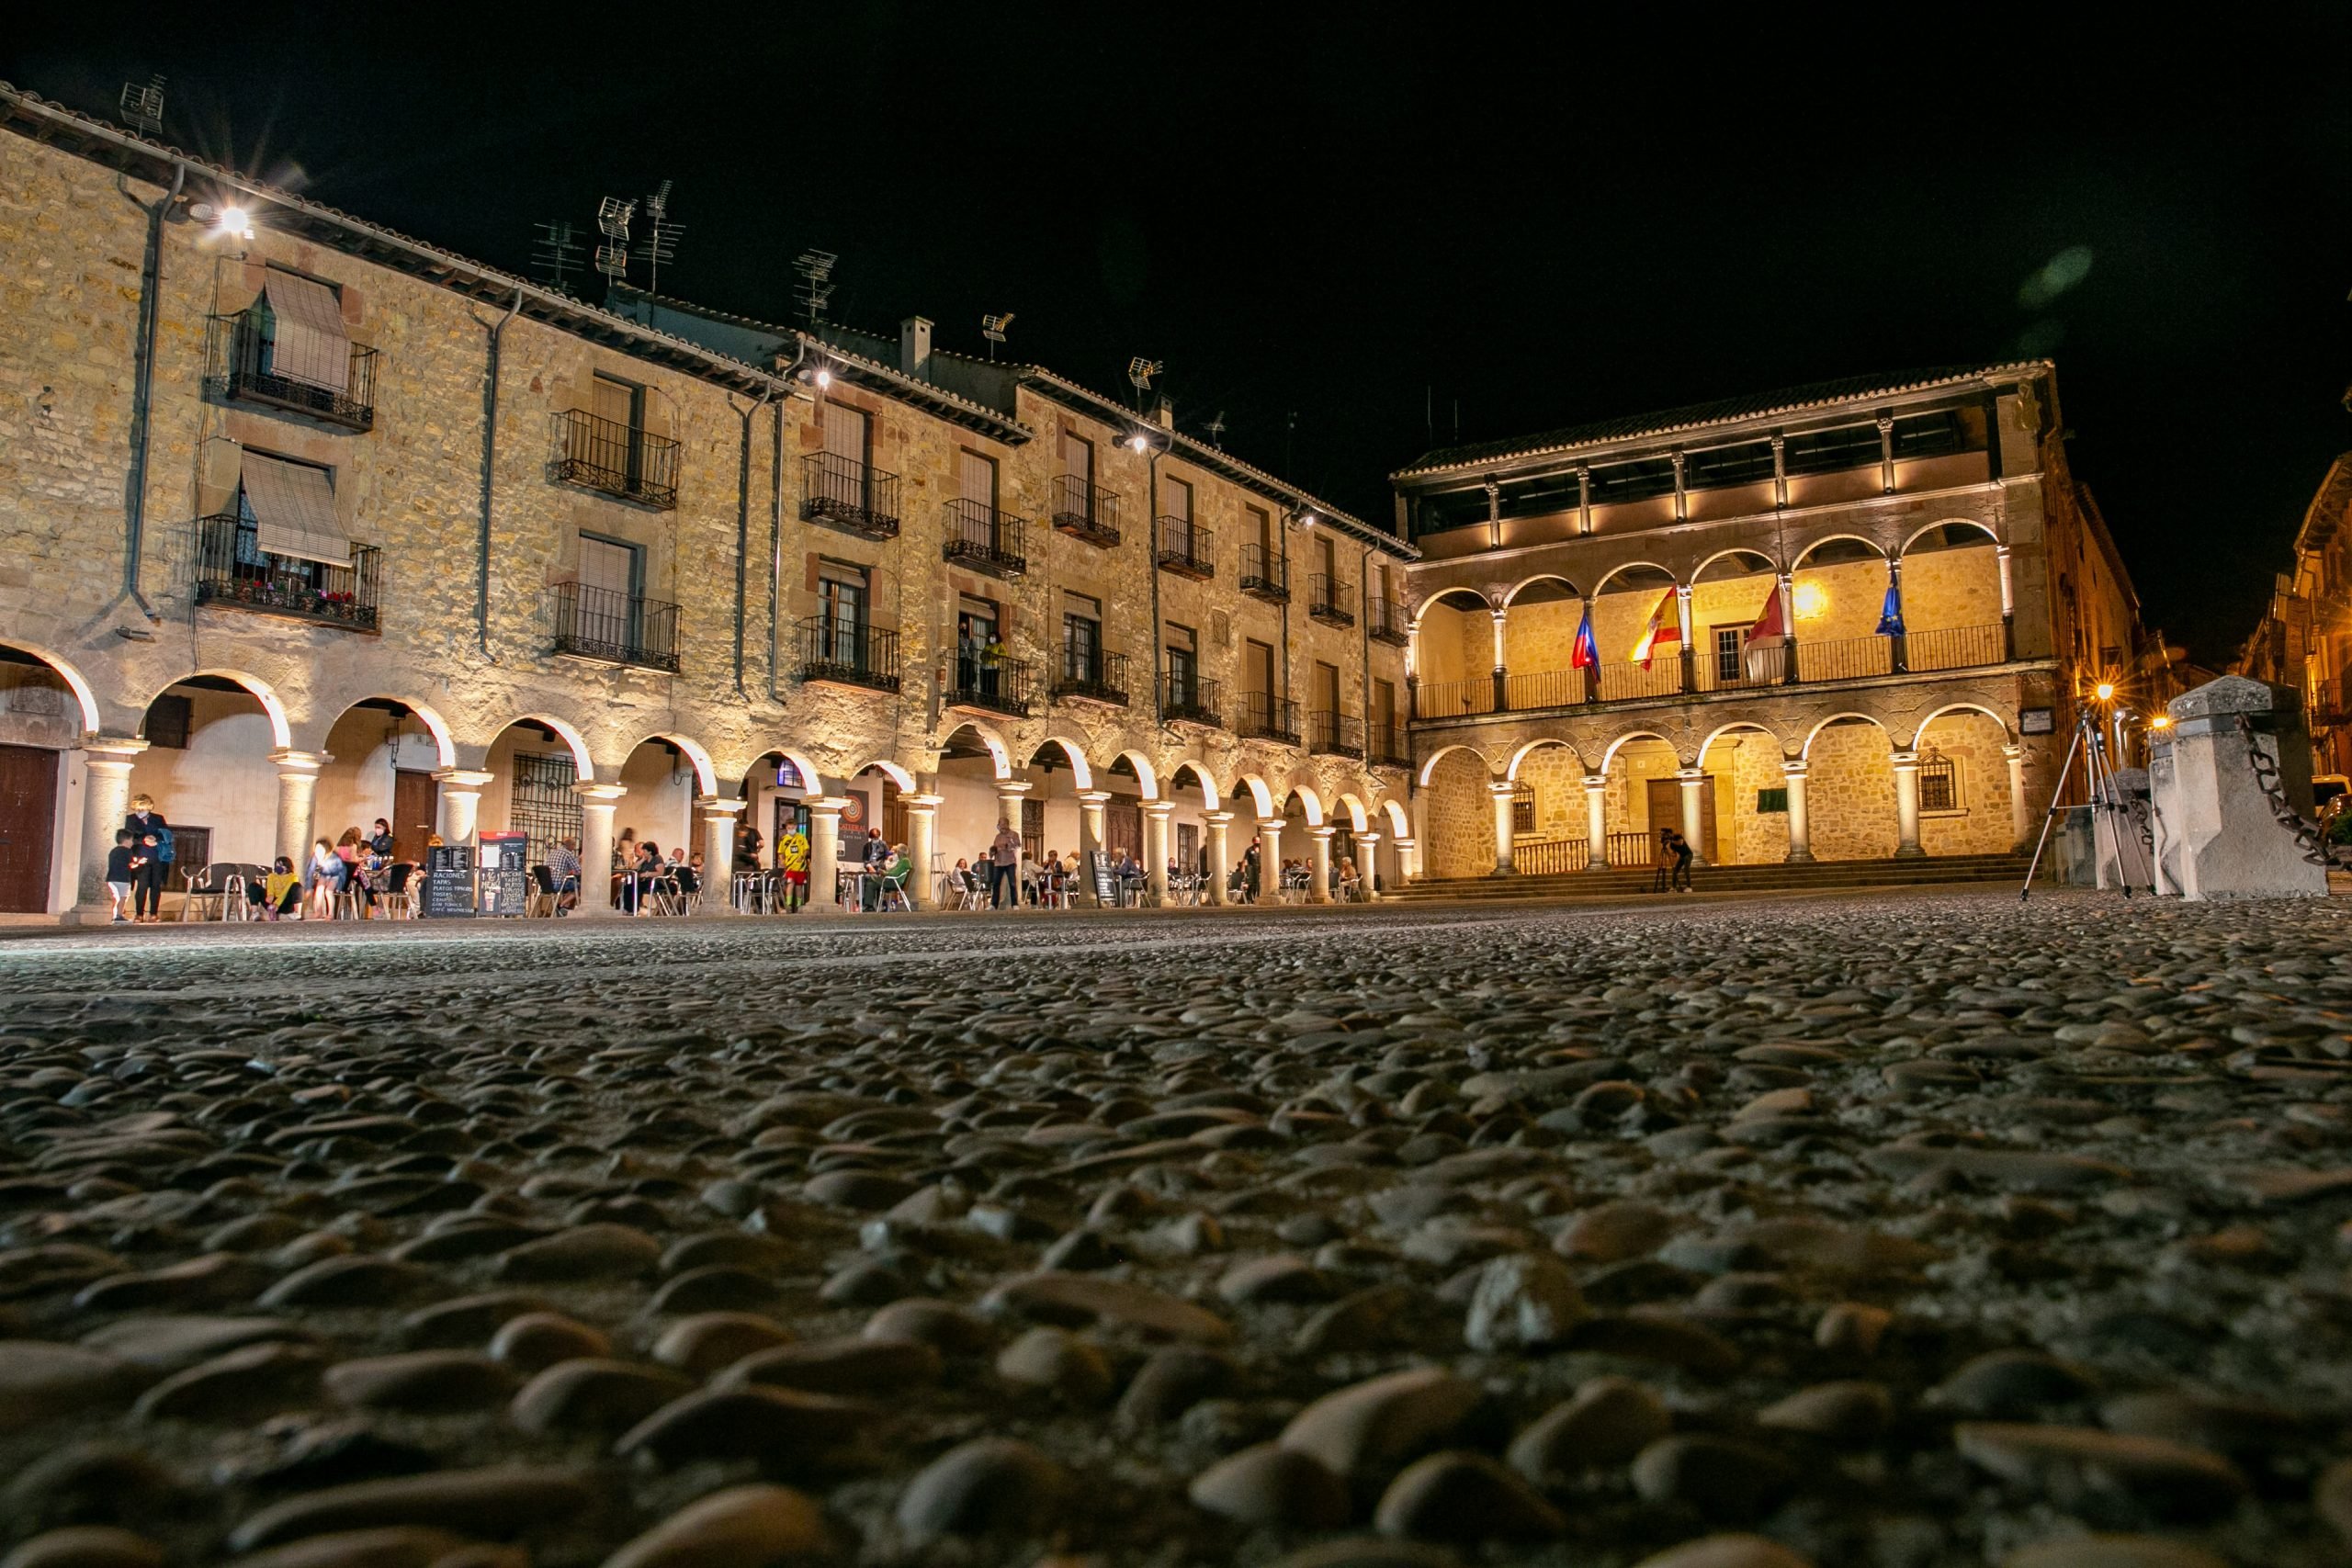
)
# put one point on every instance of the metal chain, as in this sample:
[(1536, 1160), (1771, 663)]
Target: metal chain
[(2316, 849)]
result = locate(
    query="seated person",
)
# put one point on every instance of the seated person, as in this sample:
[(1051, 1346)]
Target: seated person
[(900, 871), (278, 894), (563, 875)]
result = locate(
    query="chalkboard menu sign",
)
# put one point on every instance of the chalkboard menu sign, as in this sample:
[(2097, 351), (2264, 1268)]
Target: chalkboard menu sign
[(449, 882), (1105, 879), (505, 878)]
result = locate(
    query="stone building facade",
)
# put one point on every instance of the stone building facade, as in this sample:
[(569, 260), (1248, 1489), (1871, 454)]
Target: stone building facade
[(307, 523), (1781, 712), (2304, 638)]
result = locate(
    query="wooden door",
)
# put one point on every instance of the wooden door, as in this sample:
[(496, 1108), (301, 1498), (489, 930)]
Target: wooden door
[(27, 820), (415, 806), (1123, 828), (1665, 811)]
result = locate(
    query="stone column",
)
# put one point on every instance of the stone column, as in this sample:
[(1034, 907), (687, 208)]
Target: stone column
[(1682, 625), (461, 805), (1091, 803), (824, 851), (596, 804), (1408, 860), (1503, 792), (1800, 826), (2008, 604), (298, 788), (2020, 809), (1318, 890), (106, 801), (1368, 867), (1596, 822), (1269, 859), (1220, 853), (1502, 672), (1155, 846), (923, 838), (1906, 806), (718, 852), (1694, 827)]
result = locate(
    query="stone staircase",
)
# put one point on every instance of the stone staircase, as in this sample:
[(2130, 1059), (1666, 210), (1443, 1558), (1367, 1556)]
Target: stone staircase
[(1819, 877)]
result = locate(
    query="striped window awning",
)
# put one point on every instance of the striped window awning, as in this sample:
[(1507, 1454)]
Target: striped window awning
[(293, 508), (308, 343)]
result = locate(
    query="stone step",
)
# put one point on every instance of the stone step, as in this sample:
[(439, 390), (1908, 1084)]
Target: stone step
[(1818, 877)]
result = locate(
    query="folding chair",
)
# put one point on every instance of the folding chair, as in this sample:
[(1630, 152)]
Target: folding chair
[(541, 902), (894, 887), (399, 903)]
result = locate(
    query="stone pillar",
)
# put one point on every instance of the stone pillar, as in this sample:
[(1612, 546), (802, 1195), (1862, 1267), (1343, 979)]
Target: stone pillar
[(1906, 806), (1318, 889), (1596, 822), (1682, 627), (2020, 809), (596, 804), (1091, 803), (1503, 792), (1368, 867), (1800, 826), (1155, 846), (2008, 604), (461, 805), (2221, 837), (922, 839), (106, 801), (718, 852), (1502, 672), (1270, 860), (1694, 827), (298, 788), (1220, 853), (824, 852)]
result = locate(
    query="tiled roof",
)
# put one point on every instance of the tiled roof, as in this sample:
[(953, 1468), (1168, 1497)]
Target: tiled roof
[(1723, 410)]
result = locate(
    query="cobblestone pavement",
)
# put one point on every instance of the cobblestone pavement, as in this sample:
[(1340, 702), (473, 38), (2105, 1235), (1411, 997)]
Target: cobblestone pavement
[(1895, 1231)]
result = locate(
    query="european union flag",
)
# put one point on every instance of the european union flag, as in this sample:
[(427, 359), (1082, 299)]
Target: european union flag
[(1890, 614)]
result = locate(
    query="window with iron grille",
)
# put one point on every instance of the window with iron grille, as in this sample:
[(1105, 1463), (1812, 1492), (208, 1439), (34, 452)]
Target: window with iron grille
[(1522, 807), (1939, 784), (541, 803)]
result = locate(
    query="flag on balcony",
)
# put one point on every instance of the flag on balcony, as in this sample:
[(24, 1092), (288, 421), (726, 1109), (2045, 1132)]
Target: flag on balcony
[(1890, 614), (1768, 627), (1666, 625), (1586, 654)]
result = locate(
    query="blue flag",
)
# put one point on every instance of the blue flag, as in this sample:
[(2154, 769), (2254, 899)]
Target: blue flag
[(1588, 651), (1890, 614)]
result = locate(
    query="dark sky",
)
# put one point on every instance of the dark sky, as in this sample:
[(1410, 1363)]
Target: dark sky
[(1360, 214)]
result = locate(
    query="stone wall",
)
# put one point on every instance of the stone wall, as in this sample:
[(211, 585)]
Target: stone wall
[(1982, 822), (1850, 793)]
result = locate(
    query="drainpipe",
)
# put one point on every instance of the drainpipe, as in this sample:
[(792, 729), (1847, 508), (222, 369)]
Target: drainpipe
[(142, 393), (743, 528), (776, 514), (489, 470), (1151, 564)]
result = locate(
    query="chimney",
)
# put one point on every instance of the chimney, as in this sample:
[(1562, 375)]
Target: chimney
[(1165, 414), (914, 347)]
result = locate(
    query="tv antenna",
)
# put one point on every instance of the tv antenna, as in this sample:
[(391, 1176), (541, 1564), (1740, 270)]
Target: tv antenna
[(816, 291), (661, 242), (993, 327), (612, 219), (143, 107), (1216, 428), (555, 256), (1139, 374)]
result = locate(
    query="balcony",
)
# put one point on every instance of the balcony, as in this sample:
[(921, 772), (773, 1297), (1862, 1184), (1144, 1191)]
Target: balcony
[(1187, 699), (1955, 647), (240, 367), (1335, 734), (1387, 623), (985, 539), (1262, 575), (1845, 659), (1454, 699), (1262, 715), (2328, 706), (1100, 679), (619, 460), (1085, 512), (1764, 665), (997, 685), (1625, 683), (233, 572), (1545, 689), (844, 493), (843, 653), (1326, 601), (614, 628), (1185, 549), (1387, 747)]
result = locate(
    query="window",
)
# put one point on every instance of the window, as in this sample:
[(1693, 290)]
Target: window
[(848, 432), (1456, 509), (1261, 523), (1078, 459), (976, 622), (1384, 704), (1929, 434), (608, 566), (285, 517), (1258, 668), (1771, 802), (1183, 663), (1326, 687), (1825, 451), (1522, 807), (977, 475), (617, 401), (1540, 498), (1938, 783), (841, 612), (169, 718), (540, 802), (302, 336), (1081, 637), (1640, 481), (1750, 464), (1727, 652), (1179, 499)]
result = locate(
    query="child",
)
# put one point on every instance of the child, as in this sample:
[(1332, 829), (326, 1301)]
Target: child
[(279, 894), (123, 865)]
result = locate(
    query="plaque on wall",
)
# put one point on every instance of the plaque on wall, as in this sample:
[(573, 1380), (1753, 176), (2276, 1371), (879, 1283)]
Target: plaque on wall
[(2036, 721), (502, 879), (448, 882)]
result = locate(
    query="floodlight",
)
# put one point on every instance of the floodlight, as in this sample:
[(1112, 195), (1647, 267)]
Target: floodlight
[(2161, 721), (235, 221), (2104, 691)]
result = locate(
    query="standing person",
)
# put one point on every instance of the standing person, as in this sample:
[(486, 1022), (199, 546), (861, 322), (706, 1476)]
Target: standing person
[(1004, 866), (625, 850), (1683, 856), (792, 859), (1250, 862), (747, 848), (1662, 862), (877, 857), (327, 871), (122, 872), (145, 824)]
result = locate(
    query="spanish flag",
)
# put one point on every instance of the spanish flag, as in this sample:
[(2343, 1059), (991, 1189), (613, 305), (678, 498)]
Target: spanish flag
[(1666, 625)]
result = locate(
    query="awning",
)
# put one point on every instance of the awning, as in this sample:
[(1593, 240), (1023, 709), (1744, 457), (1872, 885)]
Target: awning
[(293, 507), (308, 343)]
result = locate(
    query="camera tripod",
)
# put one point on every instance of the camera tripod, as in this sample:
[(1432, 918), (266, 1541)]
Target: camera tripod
[(2107, 806)]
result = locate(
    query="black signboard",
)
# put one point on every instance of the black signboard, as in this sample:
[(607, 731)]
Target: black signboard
[(1106, 879), (505, 878), (449, 882)]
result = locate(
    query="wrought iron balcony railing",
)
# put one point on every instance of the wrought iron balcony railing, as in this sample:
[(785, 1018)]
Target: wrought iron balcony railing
[(1387, 623), (1001, 684), (985, 539), (1189, 699), (1955, 647), (614, 627), (241, 367), (1454, 699), (1335, 734), (1844, 659), (1085, 510), (1263, 576), (1387, 747), (621, 460), (1326, 601), (854, 497), (1184, 549), (233, 570), (1100, 679), (845, 653), (1262, 715)]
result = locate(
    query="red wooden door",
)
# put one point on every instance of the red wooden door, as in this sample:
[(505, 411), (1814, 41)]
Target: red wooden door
[(415, 802), (27, 820)]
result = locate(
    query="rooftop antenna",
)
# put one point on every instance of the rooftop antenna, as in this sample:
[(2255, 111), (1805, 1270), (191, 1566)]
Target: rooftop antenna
[(661, 242), (1216, 428), (993, 327), (555, 256), (1139, 374), (816, 291), (143, 107), (612, 218)]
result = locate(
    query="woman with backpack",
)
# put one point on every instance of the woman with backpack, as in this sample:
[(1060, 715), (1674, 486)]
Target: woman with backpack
[(145, 823)]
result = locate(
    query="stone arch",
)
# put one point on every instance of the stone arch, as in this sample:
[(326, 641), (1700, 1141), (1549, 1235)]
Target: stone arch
[(1210, 799), (582, 766), (1806, 553), (1631, 736), (1811, 735), (1462, 599), (1146, 776), (1699, 574), (999, 751), (812, 780), (1622, 568), (1304, 794), (1510, 769), (899, 776), (1400, 823), (445, 744), (1527, 582), (84, 694), (1259, 796), (281, 733), (1947, 523), (2009, 730), (1428, 768), (706, 774), (1081, 769), (1734, 727), (1358, 819)]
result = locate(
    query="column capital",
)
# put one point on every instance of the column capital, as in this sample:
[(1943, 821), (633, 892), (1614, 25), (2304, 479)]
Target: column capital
[(1690, 778), (719, 804), (1324, 834), (1596, 782), (1089, 796), (2012, 749), (1405, 843), (825, 804), (118, 749), (1904, 762), (1367, 839), (1159, 808), (290, 761), (461, 778), (1272, 824), (1009, 787), (1217, 819), (1500, 787), (599, 793), (1885, 422), (1793, 767), (922, 803)]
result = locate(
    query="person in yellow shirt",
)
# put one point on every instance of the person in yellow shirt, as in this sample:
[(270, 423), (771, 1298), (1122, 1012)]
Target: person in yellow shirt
[(278, 894), (792, 859)]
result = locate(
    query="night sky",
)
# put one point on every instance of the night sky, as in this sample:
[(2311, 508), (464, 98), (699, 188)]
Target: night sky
[(1376, 218)]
